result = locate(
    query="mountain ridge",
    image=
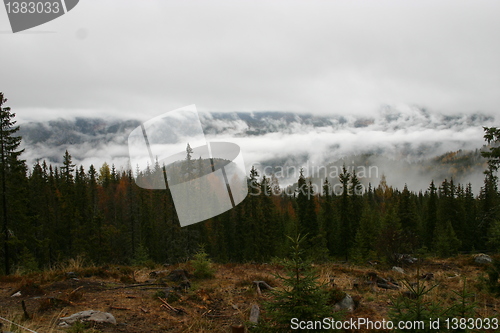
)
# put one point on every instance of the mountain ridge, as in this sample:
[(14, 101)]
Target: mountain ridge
[(272, 138)]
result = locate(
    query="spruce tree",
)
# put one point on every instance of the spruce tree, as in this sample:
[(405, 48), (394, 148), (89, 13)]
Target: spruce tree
[(328, 226), (308, 220), (189, 164), (68, 201), (446, 242), (489, 196), (367, 234), (303, 196), (250, 225), (407, 212), (301, 296), (344, 211), (356, 204), (470, 208), (492, 137), (11, 169), (431, 215)]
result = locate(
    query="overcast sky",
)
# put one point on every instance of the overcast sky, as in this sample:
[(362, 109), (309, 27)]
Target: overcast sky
[(138, 59)]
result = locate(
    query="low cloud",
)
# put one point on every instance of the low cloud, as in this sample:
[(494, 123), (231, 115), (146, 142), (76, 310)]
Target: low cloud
[(405, 134)]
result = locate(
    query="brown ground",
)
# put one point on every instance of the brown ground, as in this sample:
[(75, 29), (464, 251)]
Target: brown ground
[(209, 305)]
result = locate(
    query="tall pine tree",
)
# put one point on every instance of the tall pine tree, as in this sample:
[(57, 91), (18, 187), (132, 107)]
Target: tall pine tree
[(12, 168)]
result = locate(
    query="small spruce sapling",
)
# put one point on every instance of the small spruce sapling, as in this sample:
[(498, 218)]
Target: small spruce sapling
[(301, 297), (414, 305), (203, 267)]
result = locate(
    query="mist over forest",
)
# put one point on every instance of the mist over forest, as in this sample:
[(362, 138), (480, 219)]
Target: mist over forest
[(409, 145)]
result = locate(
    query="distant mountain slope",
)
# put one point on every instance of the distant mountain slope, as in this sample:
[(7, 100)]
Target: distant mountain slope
[(63, 132), (461, 166), (395, 139)]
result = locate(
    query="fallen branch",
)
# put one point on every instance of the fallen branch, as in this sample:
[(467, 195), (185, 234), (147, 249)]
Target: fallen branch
[(170, 307), (74, 291), (144, 310), (258, 290), (261, 285), (138, 285), (13, 323)]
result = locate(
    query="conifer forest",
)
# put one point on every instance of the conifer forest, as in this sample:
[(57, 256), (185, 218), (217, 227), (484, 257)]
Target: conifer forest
[(55, 212)]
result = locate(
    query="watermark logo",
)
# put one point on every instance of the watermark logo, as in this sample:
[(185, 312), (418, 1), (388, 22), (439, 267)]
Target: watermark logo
[(24, 15), (204, 178)]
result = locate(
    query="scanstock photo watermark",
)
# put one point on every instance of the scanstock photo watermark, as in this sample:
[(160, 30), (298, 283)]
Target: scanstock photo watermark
[(205, 178), (25, 15), (318, 179), (432, 324)]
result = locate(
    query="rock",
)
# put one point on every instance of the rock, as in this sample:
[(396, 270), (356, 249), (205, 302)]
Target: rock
[(178, 275), (254, 314), (405, 259), (16, 294), (381, 282), (482, 259), (427, 277), (89, 315), (347, 303), (71, 275), (398, 269)]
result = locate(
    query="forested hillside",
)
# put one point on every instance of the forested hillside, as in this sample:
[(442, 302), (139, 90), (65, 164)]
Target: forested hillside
[(55, 213)]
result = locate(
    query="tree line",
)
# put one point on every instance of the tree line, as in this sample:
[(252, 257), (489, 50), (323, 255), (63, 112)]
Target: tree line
[(53, 213)]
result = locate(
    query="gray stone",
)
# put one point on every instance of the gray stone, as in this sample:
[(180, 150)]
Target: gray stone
[(405, 259), (254, 314), (398, 269), (89, 315), (347, 303), (482, 259)]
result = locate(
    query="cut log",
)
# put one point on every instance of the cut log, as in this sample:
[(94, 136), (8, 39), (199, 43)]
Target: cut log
[(261, 285), (254, 314), (237, 329)]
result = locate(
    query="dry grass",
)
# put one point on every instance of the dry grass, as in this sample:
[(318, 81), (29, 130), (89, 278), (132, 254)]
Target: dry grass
[(41, 324), (212, 305)]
